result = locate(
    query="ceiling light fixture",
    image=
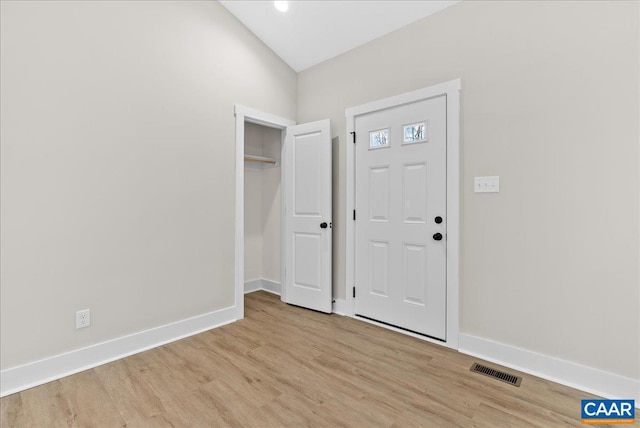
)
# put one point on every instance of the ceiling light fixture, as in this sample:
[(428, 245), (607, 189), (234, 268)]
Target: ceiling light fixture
[(282, 6)]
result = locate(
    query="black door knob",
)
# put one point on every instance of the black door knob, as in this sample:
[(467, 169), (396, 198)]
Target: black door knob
[(437, 236), (323, 225), (438, 220)]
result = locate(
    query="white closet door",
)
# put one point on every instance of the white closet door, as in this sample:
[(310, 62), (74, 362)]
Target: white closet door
[(307, 160)]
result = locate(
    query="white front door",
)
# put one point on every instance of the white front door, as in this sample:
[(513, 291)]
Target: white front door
[(308, 227), (400, 276)]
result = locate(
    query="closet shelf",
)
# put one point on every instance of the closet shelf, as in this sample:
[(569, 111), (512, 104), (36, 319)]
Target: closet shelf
[(261, 159)]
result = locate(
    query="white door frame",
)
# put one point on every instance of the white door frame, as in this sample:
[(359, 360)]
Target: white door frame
[(451, 90), (246, 114)]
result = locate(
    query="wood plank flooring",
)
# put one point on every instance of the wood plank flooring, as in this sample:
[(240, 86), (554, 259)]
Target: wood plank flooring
[(284, 366)]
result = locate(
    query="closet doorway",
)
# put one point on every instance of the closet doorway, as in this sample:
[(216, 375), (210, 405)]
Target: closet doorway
[(283, 225), (262, 207)]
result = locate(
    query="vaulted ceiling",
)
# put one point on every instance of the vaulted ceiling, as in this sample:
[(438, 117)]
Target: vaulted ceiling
[(310, 32)]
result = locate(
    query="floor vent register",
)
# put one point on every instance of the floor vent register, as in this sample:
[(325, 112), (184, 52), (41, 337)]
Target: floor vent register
[(496, 374)]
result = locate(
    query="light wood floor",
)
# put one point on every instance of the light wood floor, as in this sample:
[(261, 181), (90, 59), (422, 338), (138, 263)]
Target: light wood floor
[(286, 366)]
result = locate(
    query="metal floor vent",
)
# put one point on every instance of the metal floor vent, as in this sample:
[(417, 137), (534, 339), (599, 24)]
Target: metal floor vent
[(496, 374)]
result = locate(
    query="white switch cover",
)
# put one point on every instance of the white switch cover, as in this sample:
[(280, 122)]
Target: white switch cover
[(486, 184)]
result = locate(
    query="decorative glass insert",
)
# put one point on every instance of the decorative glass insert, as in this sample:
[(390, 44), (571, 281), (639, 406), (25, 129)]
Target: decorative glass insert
[(414, 133), (378, 139)]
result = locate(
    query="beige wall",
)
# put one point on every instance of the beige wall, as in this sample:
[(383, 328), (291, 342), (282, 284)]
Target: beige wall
[(272, 144), (117, 164), (550, 104), (262, 205), (252, 204)]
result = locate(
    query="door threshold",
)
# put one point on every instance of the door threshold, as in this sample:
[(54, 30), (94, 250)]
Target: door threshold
[(402, 330)]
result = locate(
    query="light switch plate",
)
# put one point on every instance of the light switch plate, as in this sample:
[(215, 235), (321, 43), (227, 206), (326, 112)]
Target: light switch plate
[(486, 184)]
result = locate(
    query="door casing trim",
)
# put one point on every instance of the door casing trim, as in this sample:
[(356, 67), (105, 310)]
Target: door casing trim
[(451, 90), (245, 114)]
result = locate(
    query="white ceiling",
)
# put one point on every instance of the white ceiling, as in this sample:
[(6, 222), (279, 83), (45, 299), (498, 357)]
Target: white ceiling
[(313, 31)]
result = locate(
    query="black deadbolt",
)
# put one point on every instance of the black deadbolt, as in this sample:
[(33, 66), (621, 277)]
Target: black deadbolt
[(323, 225), (437, 236), (438, 220)]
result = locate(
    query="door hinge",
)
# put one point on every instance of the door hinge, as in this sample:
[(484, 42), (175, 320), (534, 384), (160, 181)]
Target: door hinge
[(354, 136), (354, 291), (354, 215)]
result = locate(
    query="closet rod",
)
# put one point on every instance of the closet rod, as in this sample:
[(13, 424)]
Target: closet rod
[(252, 158)]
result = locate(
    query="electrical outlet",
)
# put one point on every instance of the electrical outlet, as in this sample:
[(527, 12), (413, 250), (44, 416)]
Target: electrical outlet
[(83, 318)]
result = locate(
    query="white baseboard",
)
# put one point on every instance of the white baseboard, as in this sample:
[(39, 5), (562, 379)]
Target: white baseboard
[(271, 286), (339, 307), (574, 375), (251, 286), (262, 284), (26, 376)]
